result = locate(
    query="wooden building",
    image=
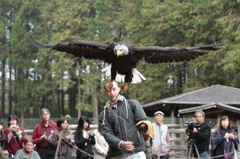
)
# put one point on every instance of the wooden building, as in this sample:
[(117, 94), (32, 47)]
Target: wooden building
[(215, 101)]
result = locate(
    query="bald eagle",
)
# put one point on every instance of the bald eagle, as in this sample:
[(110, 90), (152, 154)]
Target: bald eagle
[(123, 57)]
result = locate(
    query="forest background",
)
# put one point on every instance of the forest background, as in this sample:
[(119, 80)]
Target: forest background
[(33, 78)]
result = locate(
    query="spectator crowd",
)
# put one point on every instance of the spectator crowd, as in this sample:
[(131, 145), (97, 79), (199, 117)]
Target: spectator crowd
[(124, 132)]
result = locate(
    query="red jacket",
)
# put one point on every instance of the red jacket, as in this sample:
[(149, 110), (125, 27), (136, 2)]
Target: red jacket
[(36, 134), (14, 144)]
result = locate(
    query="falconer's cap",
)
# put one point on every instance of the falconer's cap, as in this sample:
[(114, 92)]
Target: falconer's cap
[(158, 112)]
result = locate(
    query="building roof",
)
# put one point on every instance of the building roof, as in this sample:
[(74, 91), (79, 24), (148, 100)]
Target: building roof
[(210, 106), (210, 95), (215, 98)]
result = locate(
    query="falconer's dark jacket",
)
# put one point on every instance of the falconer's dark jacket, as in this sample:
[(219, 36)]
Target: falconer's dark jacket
[(119, 124)]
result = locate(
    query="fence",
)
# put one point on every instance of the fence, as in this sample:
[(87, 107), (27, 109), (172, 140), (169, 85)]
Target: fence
[(178, 143), (177, 132)]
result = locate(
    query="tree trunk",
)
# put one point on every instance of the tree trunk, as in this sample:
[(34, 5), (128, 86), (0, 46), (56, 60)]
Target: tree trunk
[(62, 102), (10, 95), (58, 102), (72, 103), (79, 98), (3, 91), (95, 105), (22, 119)]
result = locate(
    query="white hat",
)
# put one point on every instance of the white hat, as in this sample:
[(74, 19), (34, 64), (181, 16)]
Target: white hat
[(158, 112)]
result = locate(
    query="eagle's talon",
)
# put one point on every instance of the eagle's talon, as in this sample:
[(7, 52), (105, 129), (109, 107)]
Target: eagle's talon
[(124, 88), (110, 84)]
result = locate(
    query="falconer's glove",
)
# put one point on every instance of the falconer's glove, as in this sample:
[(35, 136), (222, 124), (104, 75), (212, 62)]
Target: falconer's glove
[(145, 127)]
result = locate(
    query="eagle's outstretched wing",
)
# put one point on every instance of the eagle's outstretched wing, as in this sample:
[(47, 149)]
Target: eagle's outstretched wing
[(125, 62), (82, 49), (155, 54)]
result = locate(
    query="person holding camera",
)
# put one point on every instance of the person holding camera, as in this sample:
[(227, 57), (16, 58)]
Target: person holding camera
[(2, 136), (224, 140), (201, 135), (84, 139), (67, 140), (2, 141), (14, 136), (160, 144)]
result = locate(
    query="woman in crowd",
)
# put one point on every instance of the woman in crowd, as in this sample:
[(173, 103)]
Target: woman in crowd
[(14, 135), (27, 151), (2, 136), (2, 141), (101, 146), (65, 149), (224, 140), (84, 139)]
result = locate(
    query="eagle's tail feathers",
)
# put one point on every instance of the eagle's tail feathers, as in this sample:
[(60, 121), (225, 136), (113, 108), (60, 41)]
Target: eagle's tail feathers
[(107, 70), (137, 76), (120, 78)]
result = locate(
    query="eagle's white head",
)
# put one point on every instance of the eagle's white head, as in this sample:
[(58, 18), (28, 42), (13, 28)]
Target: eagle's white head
[(120, 50)]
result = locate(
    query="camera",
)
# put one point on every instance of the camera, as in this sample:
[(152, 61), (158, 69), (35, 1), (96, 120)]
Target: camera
[(71, 140), (14, 127), (11, 156), (189, 130)]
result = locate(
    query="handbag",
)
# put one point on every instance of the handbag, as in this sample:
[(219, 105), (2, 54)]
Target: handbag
[(236, 154)]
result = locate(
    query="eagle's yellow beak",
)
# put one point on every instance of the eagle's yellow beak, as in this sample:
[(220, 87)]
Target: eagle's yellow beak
[(118, 53)]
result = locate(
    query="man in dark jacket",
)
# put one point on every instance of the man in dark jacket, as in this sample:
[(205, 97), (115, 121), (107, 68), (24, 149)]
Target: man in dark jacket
[(118, 123), (201, 135)]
